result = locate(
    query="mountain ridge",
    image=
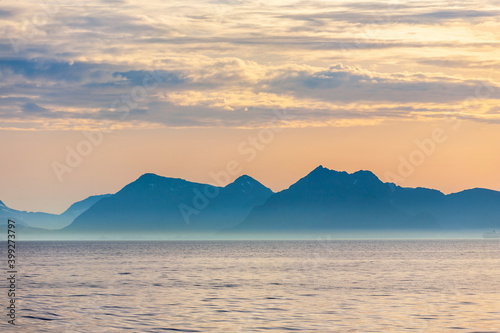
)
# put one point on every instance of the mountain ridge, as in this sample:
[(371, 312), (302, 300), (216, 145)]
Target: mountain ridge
[(329, 200), (41, 220), (164, 204), (324, 200)]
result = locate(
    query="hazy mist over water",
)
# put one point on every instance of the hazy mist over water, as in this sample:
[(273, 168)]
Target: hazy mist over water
[(258, 286), (304, 235)]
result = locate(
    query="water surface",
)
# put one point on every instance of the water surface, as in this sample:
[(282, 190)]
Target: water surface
[(258, 286)]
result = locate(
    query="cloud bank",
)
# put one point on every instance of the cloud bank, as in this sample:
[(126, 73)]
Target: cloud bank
[(231, 63)]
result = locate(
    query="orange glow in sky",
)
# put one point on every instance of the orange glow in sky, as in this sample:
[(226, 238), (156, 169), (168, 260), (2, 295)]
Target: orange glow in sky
[(182, 88)]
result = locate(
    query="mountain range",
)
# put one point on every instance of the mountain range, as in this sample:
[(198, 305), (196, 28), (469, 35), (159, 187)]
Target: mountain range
[(154, 204), (324, 201), (39, 220), (327, 200)]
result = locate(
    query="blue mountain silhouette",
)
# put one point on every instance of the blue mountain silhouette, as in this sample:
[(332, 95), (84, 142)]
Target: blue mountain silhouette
[(40, 220), (327, 200), (159, 204), (322, 201)]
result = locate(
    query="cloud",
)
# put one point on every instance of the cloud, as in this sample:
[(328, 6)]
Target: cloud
[(142, 77), (459, 62), (230, 63), (455, 14), (225, 92), (33, 108), (49, 69), (348, 84), (391, 15), (5, 14)]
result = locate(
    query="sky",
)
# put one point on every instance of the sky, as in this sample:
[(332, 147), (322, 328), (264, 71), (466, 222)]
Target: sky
[(94, 94)]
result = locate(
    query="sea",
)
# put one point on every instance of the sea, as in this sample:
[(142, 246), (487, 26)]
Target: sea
[(254, 286)]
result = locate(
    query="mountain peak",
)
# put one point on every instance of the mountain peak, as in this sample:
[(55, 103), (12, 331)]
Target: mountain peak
[(245, 178), (246, 183), (2, 204), (80, 206), (152, 178), (319, 170), (148, 176), (366, 174)]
